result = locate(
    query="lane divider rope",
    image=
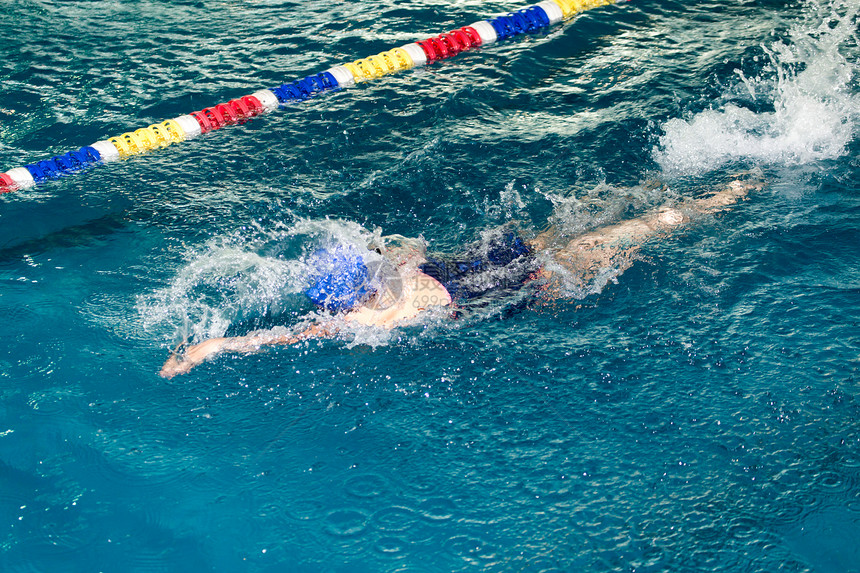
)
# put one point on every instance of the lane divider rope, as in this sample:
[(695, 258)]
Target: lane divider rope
[(526, 20)]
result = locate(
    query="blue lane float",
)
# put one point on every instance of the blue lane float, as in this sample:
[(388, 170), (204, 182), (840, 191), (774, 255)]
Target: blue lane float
[(526, 20)]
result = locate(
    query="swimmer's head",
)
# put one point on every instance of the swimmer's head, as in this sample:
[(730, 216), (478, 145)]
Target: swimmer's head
[(339, 278)]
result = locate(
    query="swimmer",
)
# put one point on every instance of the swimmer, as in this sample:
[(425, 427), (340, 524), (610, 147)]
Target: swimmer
[(408, 282)]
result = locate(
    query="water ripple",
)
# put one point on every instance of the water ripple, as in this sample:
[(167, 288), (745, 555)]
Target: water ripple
[(391, 547), (366, 486), (437, 509), (395, 519), (346, 523)]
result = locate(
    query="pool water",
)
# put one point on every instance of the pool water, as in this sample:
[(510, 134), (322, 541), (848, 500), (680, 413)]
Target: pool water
[(699, 412)]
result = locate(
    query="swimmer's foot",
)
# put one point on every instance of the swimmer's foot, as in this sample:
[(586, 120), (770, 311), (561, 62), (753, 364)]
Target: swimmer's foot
[(741, 186), (745, 181), (735, 191), (754, 174)]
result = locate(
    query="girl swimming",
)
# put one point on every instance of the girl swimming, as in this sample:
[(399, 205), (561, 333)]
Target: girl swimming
[(407, 281)]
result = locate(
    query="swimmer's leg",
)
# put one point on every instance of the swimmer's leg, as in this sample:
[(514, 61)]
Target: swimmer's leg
[(612, 248)]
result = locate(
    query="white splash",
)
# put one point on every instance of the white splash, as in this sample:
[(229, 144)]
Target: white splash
[(231, 279), (808, 82), (216, 288)]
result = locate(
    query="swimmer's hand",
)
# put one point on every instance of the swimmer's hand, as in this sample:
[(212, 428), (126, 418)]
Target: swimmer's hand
[(183, 362)]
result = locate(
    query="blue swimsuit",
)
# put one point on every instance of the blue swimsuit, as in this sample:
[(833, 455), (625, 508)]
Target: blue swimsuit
[(503, 265)]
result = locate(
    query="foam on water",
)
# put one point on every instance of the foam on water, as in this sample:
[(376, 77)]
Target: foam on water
[(808, 83)]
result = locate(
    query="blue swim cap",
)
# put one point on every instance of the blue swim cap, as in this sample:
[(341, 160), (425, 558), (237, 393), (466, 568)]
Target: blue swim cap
[(339, 278)]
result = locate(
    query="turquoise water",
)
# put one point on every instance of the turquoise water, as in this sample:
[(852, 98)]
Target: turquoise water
[(698, 412)]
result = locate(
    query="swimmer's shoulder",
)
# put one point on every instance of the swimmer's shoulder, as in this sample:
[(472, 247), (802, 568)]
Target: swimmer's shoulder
[(427, 292), (419, 292)]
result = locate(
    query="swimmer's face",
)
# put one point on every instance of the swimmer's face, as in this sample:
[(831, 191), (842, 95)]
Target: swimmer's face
[(402, 251)]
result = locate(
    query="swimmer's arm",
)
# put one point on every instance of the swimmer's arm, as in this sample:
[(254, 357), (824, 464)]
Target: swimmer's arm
[(181, 363)]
